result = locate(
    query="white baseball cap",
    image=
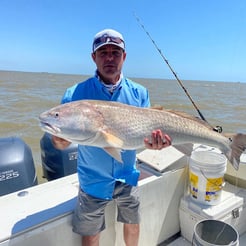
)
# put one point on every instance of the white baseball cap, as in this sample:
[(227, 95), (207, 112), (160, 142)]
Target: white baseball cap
[(108, 36)]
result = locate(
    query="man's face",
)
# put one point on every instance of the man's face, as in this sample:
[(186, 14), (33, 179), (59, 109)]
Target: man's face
[(109, 60)]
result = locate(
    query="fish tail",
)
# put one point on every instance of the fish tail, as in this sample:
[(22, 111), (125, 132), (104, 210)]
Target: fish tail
[(238, 146)]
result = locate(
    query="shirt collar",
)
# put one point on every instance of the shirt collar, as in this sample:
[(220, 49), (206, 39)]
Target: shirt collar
[(110, 87)]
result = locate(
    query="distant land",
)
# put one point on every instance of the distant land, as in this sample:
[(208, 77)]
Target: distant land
[(8, 72)]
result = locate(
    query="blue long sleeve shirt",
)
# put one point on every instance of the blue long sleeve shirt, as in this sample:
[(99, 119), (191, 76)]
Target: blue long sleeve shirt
[(97, 170)]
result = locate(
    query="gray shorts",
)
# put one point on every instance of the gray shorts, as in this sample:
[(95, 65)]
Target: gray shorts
[(89, 217)]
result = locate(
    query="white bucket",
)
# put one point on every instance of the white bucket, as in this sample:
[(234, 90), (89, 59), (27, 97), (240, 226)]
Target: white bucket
[(206, 176), (214, 232)]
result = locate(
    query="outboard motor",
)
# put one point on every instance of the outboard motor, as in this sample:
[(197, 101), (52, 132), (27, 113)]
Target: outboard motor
[(57, 163), (17, 170)]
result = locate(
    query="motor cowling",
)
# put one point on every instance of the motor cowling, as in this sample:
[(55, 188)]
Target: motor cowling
[(57, 163), (17, 169)]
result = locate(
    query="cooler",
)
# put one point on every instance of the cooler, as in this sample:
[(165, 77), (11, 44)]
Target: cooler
[(231, 210)]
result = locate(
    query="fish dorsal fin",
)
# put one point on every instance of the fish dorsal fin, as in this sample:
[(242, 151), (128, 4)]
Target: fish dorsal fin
[(112, 140), (157, 107), (190, 117)]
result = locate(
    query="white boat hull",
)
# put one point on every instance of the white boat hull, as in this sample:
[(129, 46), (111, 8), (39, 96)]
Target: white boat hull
[(41, 215)]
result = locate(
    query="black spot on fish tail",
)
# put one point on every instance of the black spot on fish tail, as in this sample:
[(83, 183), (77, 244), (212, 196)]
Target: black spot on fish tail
[(238, 146)]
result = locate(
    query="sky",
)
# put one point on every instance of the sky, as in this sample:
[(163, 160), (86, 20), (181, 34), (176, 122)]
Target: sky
[(201, 39)]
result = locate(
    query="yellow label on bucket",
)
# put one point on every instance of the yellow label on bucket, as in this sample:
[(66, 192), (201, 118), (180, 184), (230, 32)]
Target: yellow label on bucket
[(213, 187), (207, 171), (193, 184)]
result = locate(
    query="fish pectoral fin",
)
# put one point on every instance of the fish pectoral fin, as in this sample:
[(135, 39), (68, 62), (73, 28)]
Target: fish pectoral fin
[(112, 140), (115, 153)]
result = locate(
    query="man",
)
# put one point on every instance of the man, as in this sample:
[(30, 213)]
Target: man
[(101, 177)]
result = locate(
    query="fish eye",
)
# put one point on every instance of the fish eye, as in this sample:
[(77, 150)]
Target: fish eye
[(56, 114)]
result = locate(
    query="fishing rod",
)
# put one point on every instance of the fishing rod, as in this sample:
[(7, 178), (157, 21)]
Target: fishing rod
[(217, 128)]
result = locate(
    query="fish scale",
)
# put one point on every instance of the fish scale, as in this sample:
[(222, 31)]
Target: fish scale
[(115, 126)]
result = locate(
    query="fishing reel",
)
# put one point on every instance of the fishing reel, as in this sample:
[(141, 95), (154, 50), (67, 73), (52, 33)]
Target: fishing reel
[(218, 129)]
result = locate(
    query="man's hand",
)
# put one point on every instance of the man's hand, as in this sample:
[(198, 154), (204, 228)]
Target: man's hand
[(60, 143), (158, 140)]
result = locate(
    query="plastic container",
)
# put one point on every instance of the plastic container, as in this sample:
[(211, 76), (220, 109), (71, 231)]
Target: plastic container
[(230, 210), (206, 176), (214, 232)]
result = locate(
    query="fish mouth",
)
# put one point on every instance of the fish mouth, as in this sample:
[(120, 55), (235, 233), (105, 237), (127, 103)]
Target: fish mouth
[(49, 128)]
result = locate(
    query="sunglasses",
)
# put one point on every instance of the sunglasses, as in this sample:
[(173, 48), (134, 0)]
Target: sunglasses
[(106, 39)]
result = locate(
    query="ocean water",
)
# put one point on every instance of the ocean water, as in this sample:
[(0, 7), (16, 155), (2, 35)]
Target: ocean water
[(24, 95)]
